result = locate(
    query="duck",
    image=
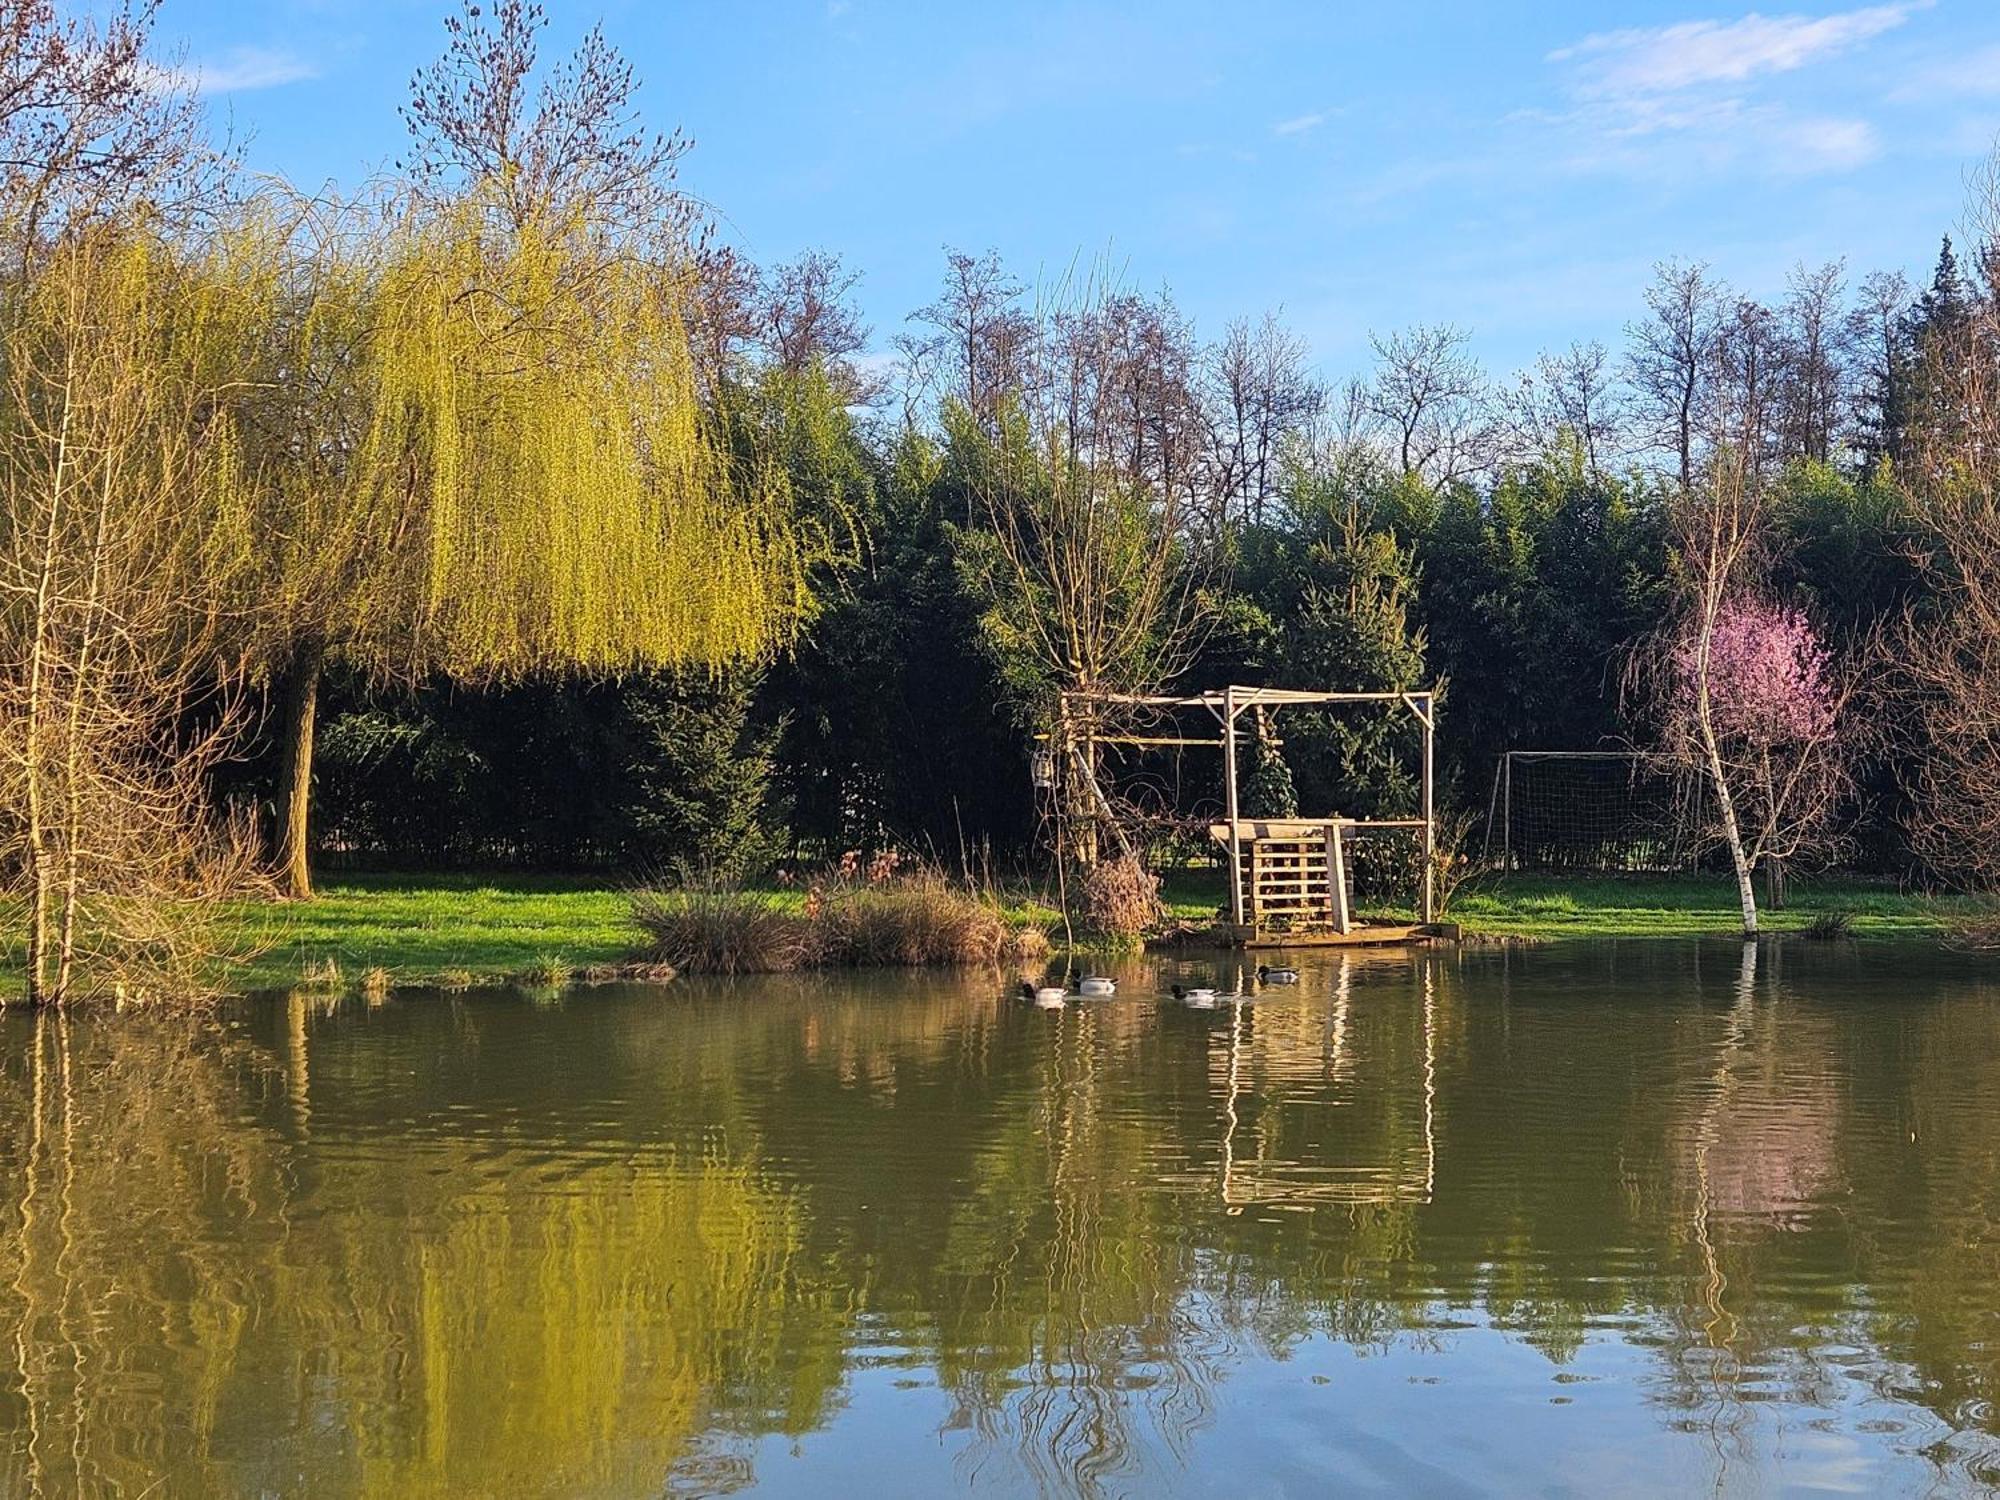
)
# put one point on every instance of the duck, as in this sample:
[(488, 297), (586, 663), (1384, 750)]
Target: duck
[(1047, 996), (1268, 975), (1201, 998), (1093, 986)]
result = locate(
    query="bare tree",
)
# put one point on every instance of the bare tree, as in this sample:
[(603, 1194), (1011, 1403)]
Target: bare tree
[(1431, 396), (979, 338), (121, 526), (1571, 396), (1949, 648), (1261, 396), (1089, 482), (1746, 388), (1813, 330), (1671, 360), (582, 154), (725, 315), (808, 317), (89, 122)]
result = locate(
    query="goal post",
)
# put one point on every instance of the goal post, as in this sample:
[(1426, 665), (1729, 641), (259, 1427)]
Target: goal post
[(1590, 810)]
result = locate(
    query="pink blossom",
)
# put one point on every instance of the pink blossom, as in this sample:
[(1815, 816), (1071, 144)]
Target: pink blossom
[(1769, 678)]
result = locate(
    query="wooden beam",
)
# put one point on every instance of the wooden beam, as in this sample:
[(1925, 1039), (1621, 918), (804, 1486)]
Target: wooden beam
[(1229, 794), (1336, 865)]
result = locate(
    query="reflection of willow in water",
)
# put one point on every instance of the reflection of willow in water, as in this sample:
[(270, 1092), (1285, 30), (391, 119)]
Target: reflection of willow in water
[(498, 1248), (180, 1304)]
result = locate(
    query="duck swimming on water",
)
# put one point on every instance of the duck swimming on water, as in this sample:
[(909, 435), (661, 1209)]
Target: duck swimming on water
[(1093, 987), (1201, 998), (1268, 975), (1047, 996)]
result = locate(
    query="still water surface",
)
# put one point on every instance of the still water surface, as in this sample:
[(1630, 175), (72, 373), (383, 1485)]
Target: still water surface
[(1640, 1219)]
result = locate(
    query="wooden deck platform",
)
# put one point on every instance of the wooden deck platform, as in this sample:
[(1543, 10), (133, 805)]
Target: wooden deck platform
[(1359, 934)]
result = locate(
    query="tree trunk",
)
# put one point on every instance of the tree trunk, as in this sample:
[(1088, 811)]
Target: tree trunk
[(1732, 832), (1774, 882), (301, 713)]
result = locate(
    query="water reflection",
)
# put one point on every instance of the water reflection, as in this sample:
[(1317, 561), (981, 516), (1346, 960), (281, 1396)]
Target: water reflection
[(1674, 1216)]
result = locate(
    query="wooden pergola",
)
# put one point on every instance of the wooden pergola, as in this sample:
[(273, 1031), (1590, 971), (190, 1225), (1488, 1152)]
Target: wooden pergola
[(1287, 876)]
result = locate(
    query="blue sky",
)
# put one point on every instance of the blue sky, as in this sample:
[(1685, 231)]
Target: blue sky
[(1515, 168)]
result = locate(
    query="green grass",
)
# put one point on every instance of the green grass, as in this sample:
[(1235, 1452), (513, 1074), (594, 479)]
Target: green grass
[(1551, 907), (460, 931), (469, 929), (449, 929)]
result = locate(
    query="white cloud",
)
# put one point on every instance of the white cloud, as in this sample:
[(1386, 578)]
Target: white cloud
[(236, 71), (1822, 144), (1299, 124), (1685, 98), (1976, 75), (1650, 60)]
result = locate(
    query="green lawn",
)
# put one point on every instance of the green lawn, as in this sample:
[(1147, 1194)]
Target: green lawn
[(489, 929), (422, 926), (1591, 906)]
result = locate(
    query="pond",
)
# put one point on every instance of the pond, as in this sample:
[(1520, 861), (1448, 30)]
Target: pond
[(1623, 1219)]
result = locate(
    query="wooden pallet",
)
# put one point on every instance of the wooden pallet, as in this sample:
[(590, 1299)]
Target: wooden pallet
[(1295, 879)]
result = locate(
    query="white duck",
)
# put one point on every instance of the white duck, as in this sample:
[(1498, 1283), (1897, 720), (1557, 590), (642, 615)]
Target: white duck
[(1268, 975), (1200, 998), (1046, 996), (1093, 986)]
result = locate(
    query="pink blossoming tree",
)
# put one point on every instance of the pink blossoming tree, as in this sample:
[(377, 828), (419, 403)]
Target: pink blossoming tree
[(1748, 695)]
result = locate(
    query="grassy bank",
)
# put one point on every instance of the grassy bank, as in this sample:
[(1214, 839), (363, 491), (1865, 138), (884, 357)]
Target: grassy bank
[(431, 928), (460, 930), (1552, 908)]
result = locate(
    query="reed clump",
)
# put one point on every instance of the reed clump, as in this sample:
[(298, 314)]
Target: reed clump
[(1121, 898), (855, 915)]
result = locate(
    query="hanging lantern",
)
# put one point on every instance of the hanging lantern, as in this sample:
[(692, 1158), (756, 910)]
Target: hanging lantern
[(1043, 768)]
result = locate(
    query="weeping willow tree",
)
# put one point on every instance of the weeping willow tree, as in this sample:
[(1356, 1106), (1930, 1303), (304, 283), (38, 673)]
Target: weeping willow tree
[(497, 457)]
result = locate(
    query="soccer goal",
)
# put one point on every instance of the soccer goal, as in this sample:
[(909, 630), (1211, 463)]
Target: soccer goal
[(1590, 810)]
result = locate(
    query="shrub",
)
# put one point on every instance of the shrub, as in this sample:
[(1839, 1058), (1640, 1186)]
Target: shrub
[(706, 927), (1121, 897), (884, 919), (1828, 925), (920, 919)]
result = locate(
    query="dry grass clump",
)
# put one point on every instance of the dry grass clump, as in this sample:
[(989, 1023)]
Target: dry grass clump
[(548, 971), (375, 985), (1121, 898), (1828, 926), (916, 920), (706, 927), (320, 973), (883, 918)]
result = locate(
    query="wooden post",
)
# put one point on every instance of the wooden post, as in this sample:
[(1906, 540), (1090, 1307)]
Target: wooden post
[(1229, 798), (1336, 870), (1430, 821)]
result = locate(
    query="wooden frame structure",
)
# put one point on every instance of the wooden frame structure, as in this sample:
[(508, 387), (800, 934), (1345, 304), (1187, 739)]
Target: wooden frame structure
[(1287, 876)]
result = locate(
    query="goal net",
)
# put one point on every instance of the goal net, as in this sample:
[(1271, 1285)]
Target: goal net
[(1591, 810)]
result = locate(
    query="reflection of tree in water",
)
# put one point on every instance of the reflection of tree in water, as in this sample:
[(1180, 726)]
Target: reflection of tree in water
[(185, 1303), (1100, 1311), (436, 1248)]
